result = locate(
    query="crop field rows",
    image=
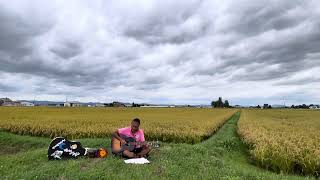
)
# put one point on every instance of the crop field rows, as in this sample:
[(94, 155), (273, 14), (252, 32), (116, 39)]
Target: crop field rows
[(283, 140), (184, 125)]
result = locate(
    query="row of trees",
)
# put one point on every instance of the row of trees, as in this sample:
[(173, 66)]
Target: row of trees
[(265, 106), (220, 104), (225, 104), (304, 106)]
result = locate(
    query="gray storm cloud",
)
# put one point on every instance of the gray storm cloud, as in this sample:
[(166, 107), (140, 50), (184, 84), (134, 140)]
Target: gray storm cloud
[(161, 51)]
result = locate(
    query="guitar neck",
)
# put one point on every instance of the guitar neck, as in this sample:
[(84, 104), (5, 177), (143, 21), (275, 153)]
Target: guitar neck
[(132, 142), (151, 143), (138, 143)]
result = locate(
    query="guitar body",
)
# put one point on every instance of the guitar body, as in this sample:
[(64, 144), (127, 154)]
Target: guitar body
[(117, 145), (130, 145), (61, 148)]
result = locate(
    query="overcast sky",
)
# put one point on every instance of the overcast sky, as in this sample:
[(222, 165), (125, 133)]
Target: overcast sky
[(182, 52)]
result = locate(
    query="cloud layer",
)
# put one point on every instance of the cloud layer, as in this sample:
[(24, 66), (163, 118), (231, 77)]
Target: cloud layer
[(184, 52)]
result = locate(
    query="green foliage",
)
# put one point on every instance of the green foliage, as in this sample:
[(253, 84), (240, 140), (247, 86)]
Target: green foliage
[(226, 104), (219, 103)]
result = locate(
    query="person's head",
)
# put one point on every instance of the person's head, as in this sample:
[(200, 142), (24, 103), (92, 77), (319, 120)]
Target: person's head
[(135, 123)]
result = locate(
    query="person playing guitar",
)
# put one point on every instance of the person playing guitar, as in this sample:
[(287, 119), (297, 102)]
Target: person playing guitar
[(134, 149)]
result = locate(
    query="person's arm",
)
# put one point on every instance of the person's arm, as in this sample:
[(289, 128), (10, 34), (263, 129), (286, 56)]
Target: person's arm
[(143, 139), (116, 135)]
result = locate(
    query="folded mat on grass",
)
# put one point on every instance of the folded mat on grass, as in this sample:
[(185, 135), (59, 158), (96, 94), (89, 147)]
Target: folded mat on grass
[(137, 161)]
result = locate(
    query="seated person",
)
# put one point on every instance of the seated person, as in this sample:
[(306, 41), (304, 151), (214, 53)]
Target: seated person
[(118, 141)]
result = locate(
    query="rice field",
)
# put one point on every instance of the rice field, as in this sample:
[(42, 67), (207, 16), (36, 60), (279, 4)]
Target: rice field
[(183, 125), (283, 140)]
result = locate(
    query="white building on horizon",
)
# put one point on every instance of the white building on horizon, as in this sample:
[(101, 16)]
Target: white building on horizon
[(26, 103)]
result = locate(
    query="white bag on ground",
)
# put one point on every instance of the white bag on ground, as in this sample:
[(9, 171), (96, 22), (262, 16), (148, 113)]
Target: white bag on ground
[(137, 161)]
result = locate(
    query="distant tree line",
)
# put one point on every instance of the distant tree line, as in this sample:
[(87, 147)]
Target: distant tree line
[(304, 106), (220, 104), (136, 105)]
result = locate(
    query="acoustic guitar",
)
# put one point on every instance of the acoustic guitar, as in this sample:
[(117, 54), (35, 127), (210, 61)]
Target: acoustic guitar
[(131, 143)]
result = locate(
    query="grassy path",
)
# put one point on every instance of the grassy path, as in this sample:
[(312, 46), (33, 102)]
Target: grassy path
[(223, 156)]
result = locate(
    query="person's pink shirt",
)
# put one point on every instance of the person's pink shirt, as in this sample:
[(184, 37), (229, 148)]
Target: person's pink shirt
[(138, 136)]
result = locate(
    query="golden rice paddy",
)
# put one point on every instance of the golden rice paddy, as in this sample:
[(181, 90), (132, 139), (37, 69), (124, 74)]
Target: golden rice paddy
[(283, 140), (186, 125)]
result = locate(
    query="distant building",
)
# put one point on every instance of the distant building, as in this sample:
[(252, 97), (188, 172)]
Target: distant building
[(73, 104), (77, 105), (118, 104), (314, 107), (12, 103), (26, 103), (55, 105), (4, 100), (157, 106), (128, 104), (8, 102), (99, 105), (67, 104), (279, 106), (202, 106)]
